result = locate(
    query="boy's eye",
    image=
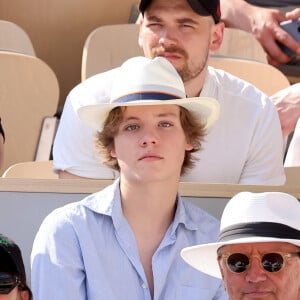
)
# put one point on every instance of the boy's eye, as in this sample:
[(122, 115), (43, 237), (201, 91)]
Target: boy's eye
[(131, 127), (165, 124)]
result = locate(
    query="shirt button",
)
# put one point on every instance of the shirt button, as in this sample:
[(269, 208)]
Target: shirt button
[(144, 286)]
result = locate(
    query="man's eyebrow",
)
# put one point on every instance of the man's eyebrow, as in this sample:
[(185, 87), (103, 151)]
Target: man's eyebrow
[(154, 19), (187, 20), (178, 20)]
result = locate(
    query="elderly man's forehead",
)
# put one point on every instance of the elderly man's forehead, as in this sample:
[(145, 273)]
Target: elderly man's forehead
[(261, 247)]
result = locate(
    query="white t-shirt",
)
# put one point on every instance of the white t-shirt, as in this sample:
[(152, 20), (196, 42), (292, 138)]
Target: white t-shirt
[(244, 146)]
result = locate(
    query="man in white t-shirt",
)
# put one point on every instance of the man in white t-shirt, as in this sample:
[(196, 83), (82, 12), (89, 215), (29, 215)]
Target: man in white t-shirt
[(244, 146)]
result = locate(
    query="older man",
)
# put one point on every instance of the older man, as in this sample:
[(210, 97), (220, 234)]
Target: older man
[(258, 253)]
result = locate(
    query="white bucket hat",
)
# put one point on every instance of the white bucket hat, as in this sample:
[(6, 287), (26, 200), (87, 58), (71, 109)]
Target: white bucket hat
[(249, 218), (145, 81)]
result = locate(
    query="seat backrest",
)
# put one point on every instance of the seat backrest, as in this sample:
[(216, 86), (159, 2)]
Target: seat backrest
[(241, 44), (264, 76), (29, 93), (14, 38), (292, 175), (31, 169), (108, 47), (236, 43)]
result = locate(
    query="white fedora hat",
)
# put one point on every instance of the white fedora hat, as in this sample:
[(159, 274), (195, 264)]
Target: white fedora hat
[(249, 218), (145, 81)]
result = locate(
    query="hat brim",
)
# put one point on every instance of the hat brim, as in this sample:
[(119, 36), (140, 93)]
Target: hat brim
[(205, 110), (204, 257)]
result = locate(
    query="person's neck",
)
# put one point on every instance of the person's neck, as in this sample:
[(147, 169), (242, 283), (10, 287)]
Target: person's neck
[(192, 91), (194, 86), (149, 208), (149, 204)]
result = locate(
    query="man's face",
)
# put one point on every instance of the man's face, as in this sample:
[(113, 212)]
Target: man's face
[(173, 30), (257, 283)]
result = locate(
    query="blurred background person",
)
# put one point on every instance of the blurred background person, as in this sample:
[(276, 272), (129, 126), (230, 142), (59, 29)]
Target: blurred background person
[(13, 284)]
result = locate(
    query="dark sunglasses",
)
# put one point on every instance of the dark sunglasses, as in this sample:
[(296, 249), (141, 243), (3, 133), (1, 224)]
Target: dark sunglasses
[(8, 282), (271, 262)]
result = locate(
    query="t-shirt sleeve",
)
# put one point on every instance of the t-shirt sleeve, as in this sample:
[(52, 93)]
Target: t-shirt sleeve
[(74, 144), (265, 161)]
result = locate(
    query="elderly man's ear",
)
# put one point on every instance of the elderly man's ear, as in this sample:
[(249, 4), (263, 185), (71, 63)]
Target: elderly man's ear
[(220, 266)]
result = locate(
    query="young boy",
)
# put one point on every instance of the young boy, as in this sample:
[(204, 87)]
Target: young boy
[(124, 242)]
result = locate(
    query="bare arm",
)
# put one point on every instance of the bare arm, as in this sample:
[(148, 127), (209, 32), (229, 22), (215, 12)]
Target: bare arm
[(264, 24), (287, 102)]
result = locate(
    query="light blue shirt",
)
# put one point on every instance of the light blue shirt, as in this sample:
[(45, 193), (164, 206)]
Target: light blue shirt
[(87, 250)]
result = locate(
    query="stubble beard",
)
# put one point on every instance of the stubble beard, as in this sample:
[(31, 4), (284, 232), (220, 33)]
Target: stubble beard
[(187, 72)]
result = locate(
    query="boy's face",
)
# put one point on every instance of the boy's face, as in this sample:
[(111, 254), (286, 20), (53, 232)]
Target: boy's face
[(173, 30), (150, 143)]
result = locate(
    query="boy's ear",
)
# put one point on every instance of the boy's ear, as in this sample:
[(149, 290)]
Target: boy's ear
[(113, 153), (189, 147)]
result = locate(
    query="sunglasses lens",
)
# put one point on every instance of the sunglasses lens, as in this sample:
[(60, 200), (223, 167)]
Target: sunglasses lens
[(272, 262), (238, 262), (7, 283)]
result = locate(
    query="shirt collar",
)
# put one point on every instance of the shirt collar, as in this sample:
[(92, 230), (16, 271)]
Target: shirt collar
[(108, 202)]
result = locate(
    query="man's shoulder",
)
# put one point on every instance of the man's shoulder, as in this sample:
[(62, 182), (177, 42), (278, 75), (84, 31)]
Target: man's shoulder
[(95, 89), (230, 80), (225, 86)]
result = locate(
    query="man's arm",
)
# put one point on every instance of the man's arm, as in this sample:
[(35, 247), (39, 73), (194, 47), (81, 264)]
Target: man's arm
[(263, 23), (56, 264), (287, 102)]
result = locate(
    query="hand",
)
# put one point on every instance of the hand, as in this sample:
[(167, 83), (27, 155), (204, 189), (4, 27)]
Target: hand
[(294, 14), (265, 27), (287, 102)]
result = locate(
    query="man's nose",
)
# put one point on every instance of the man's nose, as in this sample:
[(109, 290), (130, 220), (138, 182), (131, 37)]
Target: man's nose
[(255, 272), (167, 38)]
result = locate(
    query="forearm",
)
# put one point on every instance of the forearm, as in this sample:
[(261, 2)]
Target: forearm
[(237, 14)]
